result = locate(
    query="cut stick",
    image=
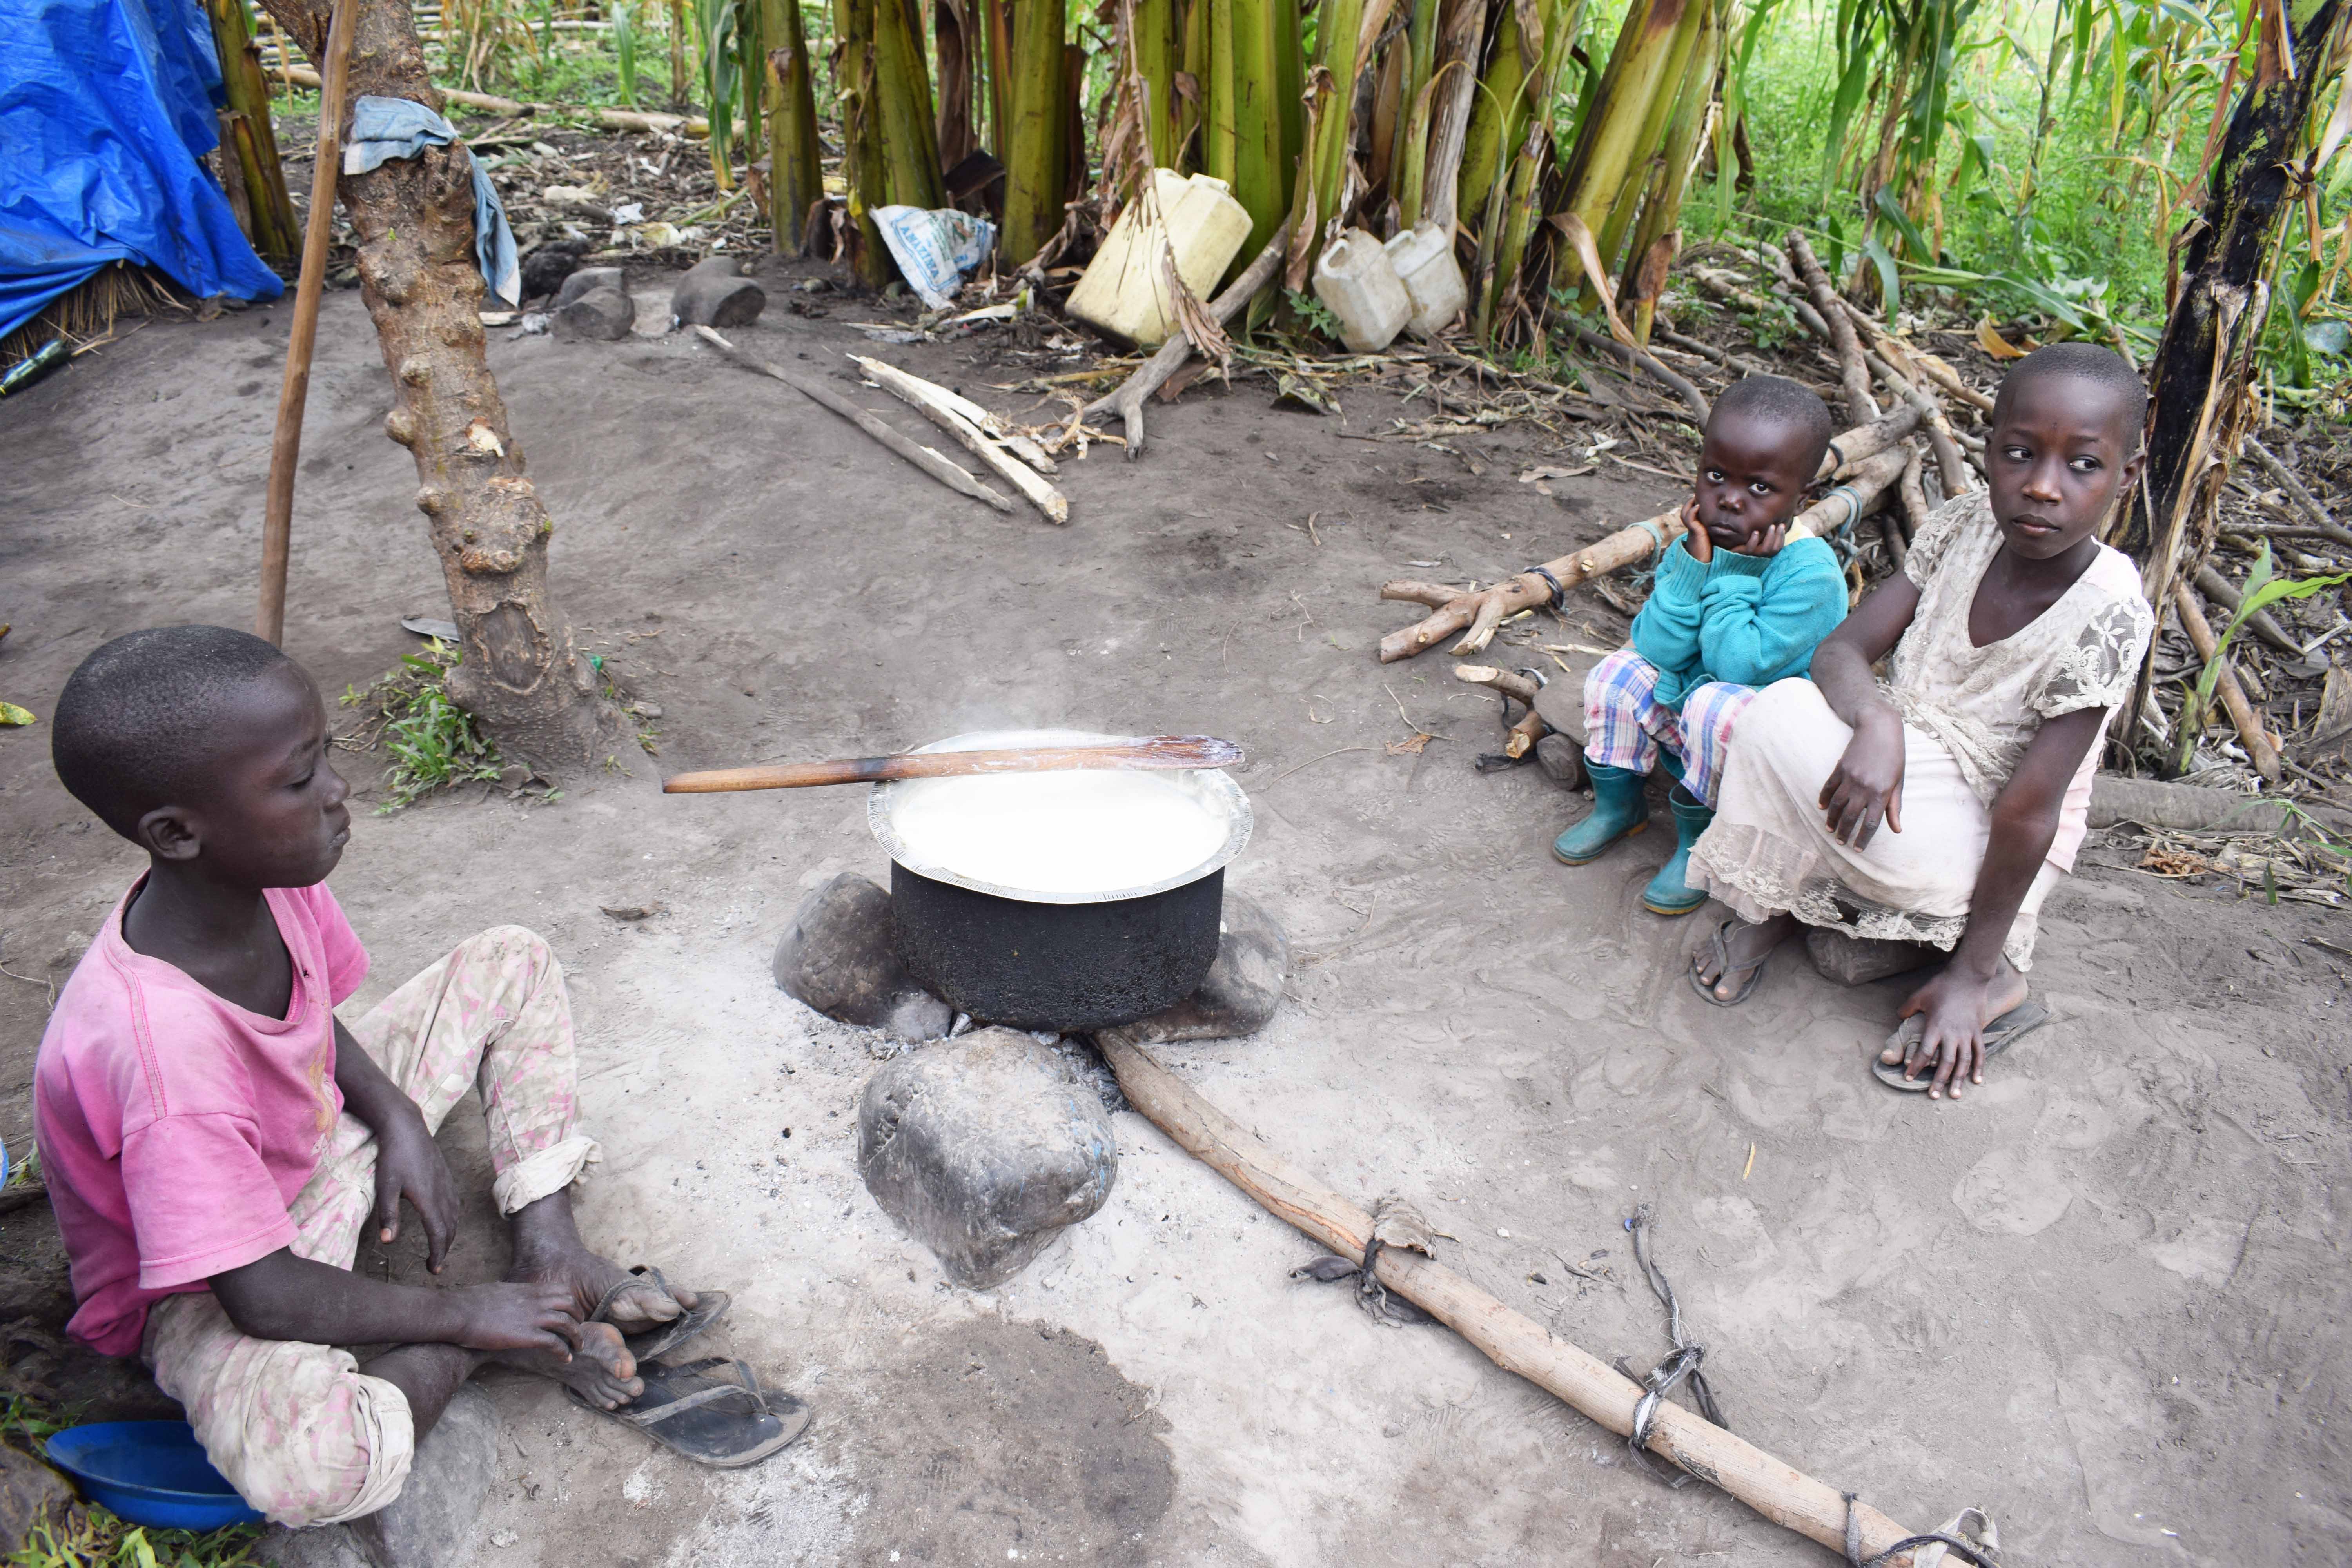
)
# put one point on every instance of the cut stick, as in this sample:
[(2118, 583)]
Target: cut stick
[(924, 458), (937, 404), (1866, 470), (1650, 362), (2242, 716), (989, 424), (2304, 500), (1128, 400), (2218, 588), (1529, 728), (1510, 1339), (302, 335), (1904, 527), (1854, 375), (1145, 752)]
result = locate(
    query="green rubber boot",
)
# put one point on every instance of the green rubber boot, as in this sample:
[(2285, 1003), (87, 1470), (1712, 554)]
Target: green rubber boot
[(1618, 812), (1667, 894)]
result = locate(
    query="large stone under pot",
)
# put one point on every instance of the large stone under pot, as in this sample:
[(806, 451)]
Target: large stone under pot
[(1069, 955)]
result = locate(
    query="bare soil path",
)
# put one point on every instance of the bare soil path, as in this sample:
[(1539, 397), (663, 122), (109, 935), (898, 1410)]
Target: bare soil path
[(2103, 1297)]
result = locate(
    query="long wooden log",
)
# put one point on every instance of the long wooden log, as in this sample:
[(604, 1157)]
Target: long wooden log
[(1170, 358), (924, 458), (1512, 1340), (938, 405), (1484, 610), (303, 76)]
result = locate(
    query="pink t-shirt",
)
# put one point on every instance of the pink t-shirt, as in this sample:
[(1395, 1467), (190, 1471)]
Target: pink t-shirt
[(174, 1126)]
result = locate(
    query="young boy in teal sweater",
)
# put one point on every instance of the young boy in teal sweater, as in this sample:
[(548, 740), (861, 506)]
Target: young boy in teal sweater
[(1737, 606)]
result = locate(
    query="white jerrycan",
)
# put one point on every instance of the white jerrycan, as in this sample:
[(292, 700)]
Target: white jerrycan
[(1423, 259), (1355, 280)]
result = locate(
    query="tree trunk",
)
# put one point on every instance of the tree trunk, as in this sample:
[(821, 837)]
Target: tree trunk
[(950, 40), (2198, 406), (1035, 159), (795, 181), (248, 149), (521, 676)]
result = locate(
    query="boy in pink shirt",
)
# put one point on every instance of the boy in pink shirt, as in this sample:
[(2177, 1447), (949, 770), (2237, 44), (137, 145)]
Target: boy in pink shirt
[(215, 1137)]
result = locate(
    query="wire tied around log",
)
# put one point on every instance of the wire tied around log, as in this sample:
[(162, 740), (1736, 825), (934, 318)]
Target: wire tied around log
[(1681, 1365), (1981, 1552), (1397, 1224)]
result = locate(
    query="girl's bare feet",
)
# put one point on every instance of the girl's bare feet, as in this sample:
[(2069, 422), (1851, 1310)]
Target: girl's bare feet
[(1746, 944)]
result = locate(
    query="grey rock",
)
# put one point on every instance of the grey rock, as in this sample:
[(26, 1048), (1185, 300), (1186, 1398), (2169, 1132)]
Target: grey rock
[(1241, 991), (982, 1148), (715, 293), (29, 1492), (1562, 760), (318, 1546), (605, 314), (1561, 700), (1858, 961), (429, 1524), (589, 277), (840, 957)]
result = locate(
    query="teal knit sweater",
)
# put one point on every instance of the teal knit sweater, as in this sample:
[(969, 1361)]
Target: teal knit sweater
[(1747, 619)]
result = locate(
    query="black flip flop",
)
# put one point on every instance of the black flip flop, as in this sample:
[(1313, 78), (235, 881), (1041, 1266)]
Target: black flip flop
[(726, 1422), (2000, 1035), (1723, 961), (709, 1306)]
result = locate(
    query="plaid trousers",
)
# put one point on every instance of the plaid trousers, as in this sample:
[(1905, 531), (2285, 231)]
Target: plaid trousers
[(1625, 723)]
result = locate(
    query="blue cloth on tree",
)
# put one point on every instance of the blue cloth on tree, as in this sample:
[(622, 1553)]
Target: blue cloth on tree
[(106, 108), (386, 128)]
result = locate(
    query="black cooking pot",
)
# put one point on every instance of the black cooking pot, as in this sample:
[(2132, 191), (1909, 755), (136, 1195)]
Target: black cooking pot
[(1070, 967), (1071, 961)]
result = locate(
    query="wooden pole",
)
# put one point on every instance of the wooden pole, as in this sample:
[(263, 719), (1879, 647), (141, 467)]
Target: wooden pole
[(286, 446), (1510, 1339), (924, 458)]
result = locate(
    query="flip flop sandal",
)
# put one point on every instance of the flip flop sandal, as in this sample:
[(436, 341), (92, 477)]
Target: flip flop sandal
[(709, 1306), (1724, 965), (727, 1422), (2000, 1035)]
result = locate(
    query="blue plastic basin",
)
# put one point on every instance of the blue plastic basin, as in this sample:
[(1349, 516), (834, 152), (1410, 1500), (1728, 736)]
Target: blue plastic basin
[(150, 1472)]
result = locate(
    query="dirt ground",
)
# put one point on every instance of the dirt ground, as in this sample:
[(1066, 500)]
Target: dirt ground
[(2103, 1297)]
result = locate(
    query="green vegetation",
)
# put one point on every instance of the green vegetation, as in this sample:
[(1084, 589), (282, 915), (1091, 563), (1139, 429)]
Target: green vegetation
[(2027, 160), (435, 743)]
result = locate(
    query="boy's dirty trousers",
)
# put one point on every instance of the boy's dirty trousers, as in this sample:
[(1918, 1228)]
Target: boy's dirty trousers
[(297, 1429), (1625, 725)]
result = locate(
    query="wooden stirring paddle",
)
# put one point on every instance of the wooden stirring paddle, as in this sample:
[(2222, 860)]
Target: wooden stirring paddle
[(1135, 752)]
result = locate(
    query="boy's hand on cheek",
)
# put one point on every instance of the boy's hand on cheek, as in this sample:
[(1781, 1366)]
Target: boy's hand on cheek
[(1767, 543), (408, 1164), (1695, 537), (518, 1316)]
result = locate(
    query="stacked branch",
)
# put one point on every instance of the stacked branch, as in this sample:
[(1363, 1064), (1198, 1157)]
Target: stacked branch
[(1873, 460)]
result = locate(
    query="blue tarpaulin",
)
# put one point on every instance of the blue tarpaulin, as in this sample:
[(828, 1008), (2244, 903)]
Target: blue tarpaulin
[(106, 106)]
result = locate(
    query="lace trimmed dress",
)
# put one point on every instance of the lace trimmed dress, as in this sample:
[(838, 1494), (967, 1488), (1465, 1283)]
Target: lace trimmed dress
[(1969, 713)]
